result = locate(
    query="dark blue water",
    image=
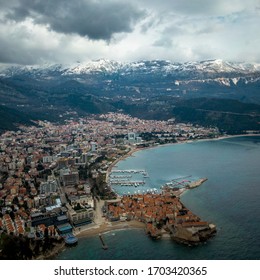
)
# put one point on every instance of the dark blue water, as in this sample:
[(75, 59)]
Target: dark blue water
[(230, 199)]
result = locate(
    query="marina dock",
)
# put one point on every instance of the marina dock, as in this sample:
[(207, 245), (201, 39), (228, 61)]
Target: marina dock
[(128, 183), (129, 171), (125, 177)]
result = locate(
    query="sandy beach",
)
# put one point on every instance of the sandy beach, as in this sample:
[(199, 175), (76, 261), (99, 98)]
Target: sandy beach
[(108, 226), (92, 230)]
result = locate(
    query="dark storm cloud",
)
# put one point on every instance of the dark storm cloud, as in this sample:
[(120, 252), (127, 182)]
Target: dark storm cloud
[(65, 31), (20, 55), (94, 19)]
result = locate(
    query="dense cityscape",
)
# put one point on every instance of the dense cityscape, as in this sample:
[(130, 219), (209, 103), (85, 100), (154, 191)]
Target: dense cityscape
[(53, 176), (129, 139)]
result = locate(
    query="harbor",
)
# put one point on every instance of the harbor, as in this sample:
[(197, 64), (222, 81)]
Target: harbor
[(139, 177), (129, 171), (127, 178), (178, 186), (159, 208), (127, 183)]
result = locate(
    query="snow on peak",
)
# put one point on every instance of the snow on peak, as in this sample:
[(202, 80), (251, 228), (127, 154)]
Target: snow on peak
[(101, 65), (147, 66)]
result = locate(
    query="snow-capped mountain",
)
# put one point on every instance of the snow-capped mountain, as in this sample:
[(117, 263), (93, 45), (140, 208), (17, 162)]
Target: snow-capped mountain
[(169, 75), (142, 78), (151, 89), (102, 65), (45, 70), (165, 67), (109, 67), (220, 66)]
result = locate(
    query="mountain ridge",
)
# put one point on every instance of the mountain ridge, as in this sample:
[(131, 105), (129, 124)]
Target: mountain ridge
[(118, 76), (112, 66), (152, 88)]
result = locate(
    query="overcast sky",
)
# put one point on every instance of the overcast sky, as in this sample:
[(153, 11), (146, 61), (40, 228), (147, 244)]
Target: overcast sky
[(67, 31)]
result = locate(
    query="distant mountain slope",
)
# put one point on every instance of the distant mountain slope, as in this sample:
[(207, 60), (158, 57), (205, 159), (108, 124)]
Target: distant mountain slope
[(11, 118), (228, 115), (143, 79), (152, 89)]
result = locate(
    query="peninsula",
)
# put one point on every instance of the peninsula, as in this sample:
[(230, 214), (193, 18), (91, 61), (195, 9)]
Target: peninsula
[(162, 214)]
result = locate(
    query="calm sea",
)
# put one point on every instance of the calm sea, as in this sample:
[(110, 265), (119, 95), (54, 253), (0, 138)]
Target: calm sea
[(230, 199)]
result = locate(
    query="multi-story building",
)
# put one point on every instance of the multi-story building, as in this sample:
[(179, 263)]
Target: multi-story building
[(81, 215), (69, 177), (93, 146), (48, 187)]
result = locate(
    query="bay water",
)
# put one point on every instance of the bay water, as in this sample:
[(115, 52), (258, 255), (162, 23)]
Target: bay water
[(230, 199)]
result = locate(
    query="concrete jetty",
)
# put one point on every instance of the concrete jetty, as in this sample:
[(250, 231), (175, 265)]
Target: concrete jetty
[(104, 246)]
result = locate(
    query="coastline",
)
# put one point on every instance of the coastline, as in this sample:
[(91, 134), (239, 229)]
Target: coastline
[(182, 191), (93, 230), (110, 226), (135, 149), (222, 137), (133, 224), (50, 255), (128, 154)]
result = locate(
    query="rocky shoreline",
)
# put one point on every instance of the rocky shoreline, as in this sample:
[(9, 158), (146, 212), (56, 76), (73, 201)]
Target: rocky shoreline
[(193, 236), (197, 183), (50, 255)]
